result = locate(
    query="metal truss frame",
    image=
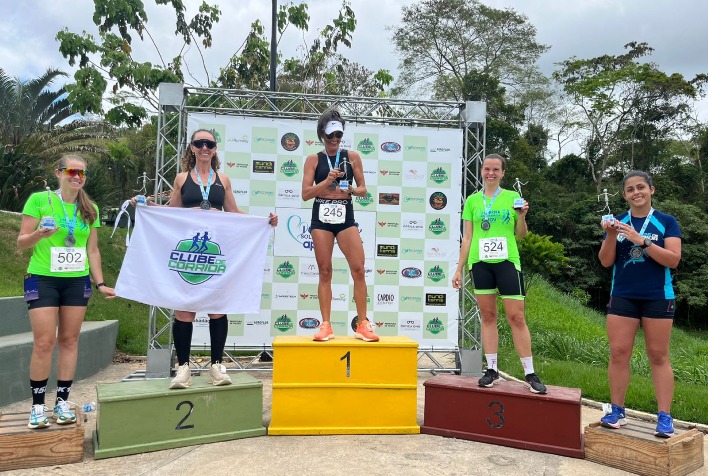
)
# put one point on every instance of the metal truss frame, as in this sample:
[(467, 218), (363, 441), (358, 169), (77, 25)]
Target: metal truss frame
[(177, 102)]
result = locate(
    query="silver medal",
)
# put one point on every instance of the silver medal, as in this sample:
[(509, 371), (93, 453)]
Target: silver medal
[(636, 252), (486, 225), (205, 205), (70, 240)]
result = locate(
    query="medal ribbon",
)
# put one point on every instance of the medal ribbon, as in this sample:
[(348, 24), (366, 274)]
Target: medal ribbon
[(202, 188), (487, 208), (336, 162), (646, 221), (70, 225)]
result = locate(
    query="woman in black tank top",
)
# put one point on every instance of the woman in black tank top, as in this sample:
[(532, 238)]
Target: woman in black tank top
[(202, 186), (332, 177)]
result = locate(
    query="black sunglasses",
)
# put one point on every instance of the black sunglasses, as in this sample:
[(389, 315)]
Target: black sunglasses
[(337, 134), (199, 143)]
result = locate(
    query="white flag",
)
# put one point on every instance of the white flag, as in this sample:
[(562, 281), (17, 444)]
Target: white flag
[(195, 260)]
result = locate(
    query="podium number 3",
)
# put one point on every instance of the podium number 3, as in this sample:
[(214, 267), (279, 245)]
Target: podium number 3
[(349, 362), (191, 408), (497, 423)]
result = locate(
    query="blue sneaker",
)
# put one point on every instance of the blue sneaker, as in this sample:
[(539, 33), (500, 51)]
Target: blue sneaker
[(665, 425), (63, 414), (37, 418), (615, 418)]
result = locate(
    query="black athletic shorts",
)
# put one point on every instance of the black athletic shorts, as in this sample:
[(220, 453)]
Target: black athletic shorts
[(53, 291), (349, 222), (487, 278), (638, 308)]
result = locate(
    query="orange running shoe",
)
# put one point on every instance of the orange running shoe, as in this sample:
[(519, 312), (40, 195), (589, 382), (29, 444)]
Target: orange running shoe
[(365, 332), (325, 333)]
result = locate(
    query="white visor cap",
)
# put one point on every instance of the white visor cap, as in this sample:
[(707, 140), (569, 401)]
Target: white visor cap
[(333, 126)]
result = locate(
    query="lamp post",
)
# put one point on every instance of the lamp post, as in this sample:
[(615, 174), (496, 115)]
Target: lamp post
[(273, 46)]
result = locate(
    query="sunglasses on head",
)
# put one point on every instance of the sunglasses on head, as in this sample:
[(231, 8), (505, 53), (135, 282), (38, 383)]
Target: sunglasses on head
[(74, 172), (199, 143), (337, 134)]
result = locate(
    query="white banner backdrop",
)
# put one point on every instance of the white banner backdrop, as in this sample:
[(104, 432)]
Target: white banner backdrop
[(409, 222)]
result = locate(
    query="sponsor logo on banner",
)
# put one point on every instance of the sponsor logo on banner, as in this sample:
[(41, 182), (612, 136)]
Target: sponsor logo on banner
[(366, 146), (300, 232), (410, 325), (197, 259), (290, 141), (415, 148), (283, 323), (237, 165), (288, 194), (411, 273), (285, 270), (257, 323), (340, 298), (240, 193), (437, 226), (387, 224), (412, 174), (435, 326), (435, 299), (309, 297), (365, 201), (387, 250), (284, 296), (386, 299), (309, 323), (435, 252), (414, 199), (289, 168), (263, 193), (412, 253), (310, 271), (267, 140), (391, 147), (411, 299), (263, 166), (439, 175), (436, 274), (368, 299), (244, 139), (438, 149), (413, 225), (438, 200), (389, 198), (390, 173)]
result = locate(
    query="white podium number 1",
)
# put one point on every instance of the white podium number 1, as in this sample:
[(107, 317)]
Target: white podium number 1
[(191, 408), (349, 362)]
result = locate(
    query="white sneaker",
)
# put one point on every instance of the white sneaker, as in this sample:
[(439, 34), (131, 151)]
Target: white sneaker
[(37, 418), (183, 378), (217, 375), (63, 414)]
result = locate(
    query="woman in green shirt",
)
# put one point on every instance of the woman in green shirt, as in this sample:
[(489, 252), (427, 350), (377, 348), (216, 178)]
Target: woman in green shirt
[(60, 226)]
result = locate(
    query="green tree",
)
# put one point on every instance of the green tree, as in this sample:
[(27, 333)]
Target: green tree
[(621, 100), (540, 258), (442, 41), (30, 106)]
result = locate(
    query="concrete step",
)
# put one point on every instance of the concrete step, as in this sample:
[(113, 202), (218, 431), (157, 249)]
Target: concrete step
[(97, 344), (14, 316)]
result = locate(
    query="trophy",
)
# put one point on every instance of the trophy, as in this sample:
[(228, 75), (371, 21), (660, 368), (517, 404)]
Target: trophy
[(47, 222), (344, 181), (519, 202), (141, 199), (609, 217)]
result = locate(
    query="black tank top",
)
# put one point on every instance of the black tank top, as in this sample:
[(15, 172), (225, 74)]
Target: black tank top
[(192, 195), (325, 164)]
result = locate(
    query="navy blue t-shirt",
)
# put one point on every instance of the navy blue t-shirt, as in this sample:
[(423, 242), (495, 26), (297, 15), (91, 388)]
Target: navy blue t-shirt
[(644, 278)]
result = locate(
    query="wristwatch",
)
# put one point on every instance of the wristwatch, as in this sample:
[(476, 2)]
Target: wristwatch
[(647, 243), (98, 285)]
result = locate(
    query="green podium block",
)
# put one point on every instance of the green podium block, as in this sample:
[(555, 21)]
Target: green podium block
[(137, 417)]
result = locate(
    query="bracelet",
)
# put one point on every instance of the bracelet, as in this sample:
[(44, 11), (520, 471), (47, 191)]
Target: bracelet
[(98, 285)]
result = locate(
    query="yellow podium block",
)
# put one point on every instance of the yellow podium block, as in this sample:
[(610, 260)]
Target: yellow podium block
[(344, 386)]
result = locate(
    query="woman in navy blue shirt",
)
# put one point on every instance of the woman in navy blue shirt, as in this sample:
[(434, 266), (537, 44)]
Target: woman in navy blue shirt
[(641, 245)]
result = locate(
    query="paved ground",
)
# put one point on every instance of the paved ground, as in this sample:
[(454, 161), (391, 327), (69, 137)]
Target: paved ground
[(322, 455)]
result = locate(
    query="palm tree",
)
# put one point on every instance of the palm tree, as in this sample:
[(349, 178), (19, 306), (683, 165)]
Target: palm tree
[(29, 106)]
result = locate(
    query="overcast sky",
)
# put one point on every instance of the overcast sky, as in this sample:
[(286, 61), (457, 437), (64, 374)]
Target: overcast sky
[(581, 28)]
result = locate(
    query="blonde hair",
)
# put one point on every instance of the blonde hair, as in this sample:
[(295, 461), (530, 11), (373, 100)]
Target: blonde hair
[(189, 160), (86, 208)]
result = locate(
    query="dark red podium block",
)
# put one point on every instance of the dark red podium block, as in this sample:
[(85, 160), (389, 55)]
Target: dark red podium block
[(507, 414)]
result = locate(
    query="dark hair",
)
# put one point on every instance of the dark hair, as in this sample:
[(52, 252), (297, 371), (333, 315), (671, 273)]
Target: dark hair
[(500, 158), (328, 116), (189, 160), (84, 203), (638, 173)]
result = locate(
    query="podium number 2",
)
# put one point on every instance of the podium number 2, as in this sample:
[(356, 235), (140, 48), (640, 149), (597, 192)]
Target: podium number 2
[(191, 408), (349, 362), (499, 414)]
